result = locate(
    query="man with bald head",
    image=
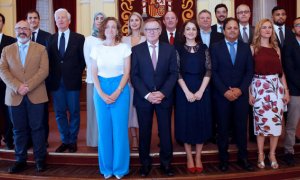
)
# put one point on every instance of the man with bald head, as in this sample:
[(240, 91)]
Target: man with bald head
[(24, 68), (243, 14), (170, 35)]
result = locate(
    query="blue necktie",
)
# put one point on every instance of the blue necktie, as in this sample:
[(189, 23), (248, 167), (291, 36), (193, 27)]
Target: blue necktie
[(62, 44), (23, 53), (232, 51)]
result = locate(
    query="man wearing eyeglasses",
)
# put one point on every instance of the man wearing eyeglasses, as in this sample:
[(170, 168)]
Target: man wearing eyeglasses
[(243, 14), (291, 67), (153, 76), (24, 67)]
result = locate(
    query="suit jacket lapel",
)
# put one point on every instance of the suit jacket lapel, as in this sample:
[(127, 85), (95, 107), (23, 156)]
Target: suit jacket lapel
[(69, 43), (28, 55), (17, 55), (160, 56), (226, 53), (148, 59), (238, 52)]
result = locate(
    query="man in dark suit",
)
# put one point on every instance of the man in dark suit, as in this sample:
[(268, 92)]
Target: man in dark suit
[(41, 37), (5, 122), (221, 12), (283, 33), (153, 76), (291, 69), (243, 14), (170, 34), (67, 63), (207, 36), (232, 71)]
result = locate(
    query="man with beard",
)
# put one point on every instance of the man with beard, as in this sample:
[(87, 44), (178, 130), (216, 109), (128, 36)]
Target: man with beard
[(283, 33), (221, 12), (24, 67), (5, 122), (170, 35), (291, 67), (232, 72)]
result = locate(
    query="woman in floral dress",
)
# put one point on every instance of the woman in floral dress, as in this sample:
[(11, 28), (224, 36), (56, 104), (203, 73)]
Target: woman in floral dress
[(268, 91)]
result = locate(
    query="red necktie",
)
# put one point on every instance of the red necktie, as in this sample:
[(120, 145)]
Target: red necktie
[(171, 38)]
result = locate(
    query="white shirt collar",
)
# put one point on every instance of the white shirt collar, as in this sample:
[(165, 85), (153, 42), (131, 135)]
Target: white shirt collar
[(149, 44), (20, 44)]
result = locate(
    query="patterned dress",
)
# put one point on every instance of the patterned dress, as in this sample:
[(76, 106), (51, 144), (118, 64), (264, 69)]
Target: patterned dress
[(268, 92)]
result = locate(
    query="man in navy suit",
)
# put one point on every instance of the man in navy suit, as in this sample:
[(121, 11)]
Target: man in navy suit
[(41, 37), (170, 34), (291, 67), (5, 122), (221, 12), (153, 75), (232, 71), (65, 79)]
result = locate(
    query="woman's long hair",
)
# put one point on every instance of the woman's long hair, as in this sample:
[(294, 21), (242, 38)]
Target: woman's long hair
[(256, 43)]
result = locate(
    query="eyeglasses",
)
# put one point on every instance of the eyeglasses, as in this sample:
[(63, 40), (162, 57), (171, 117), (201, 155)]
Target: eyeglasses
[(148, 30), (21, 29), (297, 25), (243, 12)]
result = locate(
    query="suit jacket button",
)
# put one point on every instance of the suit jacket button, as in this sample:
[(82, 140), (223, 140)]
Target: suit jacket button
[(61, 62)]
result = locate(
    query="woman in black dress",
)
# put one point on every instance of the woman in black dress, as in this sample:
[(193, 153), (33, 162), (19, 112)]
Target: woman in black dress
[(193, 109)]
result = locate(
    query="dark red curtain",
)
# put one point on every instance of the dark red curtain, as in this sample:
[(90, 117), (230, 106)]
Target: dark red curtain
[(290, 7), (247, 2), (23, 7), (71, 7)]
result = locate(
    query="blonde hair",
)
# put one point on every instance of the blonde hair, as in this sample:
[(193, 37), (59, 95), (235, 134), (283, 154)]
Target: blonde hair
[(256, 43), (141, 23)]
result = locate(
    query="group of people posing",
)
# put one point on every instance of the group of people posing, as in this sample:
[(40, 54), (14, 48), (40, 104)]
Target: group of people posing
[(194, 70)]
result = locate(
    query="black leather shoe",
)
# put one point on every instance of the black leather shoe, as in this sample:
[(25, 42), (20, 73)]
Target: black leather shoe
[(223, 166), (17, 167), (289, 159), (168, 170), (145, 170), (244, 163), (40, 166), (72, 147), (10, 146), (62, 148)]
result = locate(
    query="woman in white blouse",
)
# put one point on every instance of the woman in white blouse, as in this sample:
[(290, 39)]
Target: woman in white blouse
[(90, 41), (135, 37), (110, 70)]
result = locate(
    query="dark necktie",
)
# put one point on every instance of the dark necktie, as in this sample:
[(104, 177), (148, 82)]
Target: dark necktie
[(281, 36), (33, 36), (171, 38), (62, 44)]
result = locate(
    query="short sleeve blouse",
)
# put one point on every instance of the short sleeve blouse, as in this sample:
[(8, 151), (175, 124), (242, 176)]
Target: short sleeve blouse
[(110, 59)]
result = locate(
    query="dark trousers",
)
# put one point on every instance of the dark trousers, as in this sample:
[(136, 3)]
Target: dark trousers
[(27, 119), (145, 119), (5, 122), (237, 111)]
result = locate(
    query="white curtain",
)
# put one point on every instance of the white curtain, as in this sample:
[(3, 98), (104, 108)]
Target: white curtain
[(262, 9), (45, 8)]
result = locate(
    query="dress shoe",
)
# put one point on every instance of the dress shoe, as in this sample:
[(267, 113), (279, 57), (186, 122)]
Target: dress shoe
[(223, 166), (145, 170), (168, 170), (72, 147), (244, 163), (191, 170), (17, 167), (40, 166), (62, 148), (199, 169), (289, 159), (10, 146)]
